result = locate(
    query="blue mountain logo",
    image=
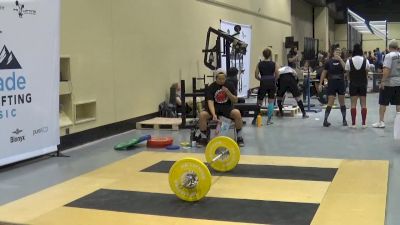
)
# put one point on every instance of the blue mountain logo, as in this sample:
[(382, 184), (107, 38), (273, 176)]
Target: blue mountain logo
[(8, 60)]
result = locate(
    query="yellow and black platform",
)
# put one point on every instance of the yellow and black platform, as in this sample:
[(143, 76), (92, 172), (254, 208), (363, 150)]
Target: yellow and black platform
[(260, 190)]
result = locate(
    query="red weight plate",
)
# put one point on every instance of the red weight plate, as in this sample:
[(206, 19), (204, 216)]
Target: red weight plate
[(159, 142)]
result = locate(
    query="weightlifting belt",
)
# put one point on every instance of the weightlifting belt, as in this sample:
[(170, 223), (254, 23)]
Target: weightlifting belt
[(268, 77), (338, 76)]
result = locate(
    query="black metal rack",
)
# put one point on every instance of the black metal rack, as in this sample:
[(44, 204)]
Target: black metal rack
[(196, 93)]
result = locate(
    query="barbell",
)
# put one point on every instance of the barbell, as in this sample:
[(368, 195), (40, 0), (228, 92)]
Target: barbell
[(190, 179)]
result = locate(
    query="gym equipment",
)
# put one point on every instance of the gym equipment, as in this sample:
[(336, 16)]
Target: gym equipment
[(159, 142), (131, 143), (173, 147), (232, 48), (289, 42), (222, 153), (323, 96), (190, 179), (311, 47), (248, 109), (228, 46), (196, 93)]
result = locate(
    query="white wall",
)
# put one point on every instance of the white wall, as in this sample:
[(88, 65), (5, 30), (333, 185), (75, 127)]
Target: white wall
[(331, 30), (340, 35), (321, 23), (302, 21)]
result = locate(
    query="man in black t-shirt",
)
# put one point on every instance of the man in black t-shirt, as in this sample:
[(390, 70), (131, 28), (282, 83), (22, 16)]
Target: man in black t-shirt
[(220, 96), (293, 58), (334, 71)]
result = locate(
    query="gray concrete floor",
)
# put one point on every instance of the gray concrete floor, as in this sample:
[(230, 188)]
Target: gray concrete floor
[(286, 137)]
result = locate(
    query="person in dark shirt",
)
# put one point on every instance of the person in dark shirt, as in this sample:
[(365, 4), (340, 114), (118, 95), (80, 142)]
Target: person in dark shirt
[(220, 96), (293, 58), (358, 67), (267, 73), (379, 60), (334, 71)]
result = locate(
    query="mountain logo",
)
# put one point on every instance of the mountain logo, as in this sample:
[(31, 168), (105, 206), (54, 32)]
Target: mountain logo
[(8, 60)]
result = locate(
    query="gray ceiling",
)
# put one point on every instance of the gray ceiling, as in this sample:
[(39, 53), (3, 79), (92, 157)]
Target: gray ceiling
[(368, 9)]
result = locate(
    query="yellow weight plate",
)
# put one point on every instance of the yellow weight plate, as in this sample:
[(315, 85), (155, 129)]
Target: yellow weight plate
[(189, 179), (227, 161)]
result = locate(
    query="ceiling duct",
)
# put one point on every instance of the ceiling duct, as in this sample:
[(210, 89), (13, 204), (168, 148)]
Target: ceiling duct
[(378, 28)]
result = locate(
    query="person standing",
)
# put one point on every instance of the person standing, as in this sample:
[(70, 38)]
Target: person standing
[(378, 54), (287, 82), (267, 73), (390, 83), (334, 71), (294, 58), (358, 67)]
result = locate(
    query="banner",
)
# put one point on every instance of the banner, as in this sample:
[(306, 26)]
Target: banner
[(29, 78), (242, 65)]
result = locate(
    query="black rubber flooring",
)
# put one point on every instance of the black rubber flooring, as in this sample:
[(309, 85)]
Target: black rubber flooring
[(262, 171), (209, 208)]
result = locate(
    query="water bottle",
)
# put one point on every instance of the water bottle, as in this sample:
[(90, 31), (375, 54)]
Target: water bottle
[(225, 124), (259, 120), (218, 128), (192, 134)]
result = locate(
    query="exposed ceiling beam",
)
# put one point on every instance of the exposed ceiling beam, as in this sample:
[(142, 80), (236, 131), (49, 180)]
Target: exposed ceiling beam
[(368, 9)]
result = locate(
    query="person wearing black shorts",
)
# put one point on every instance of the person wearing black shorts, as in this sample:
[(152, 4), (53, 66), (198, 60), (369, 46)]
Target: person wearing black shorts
[(334, 71), (390, 83), (287, 82), (358, 67), (220, 96), (267, 73)]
